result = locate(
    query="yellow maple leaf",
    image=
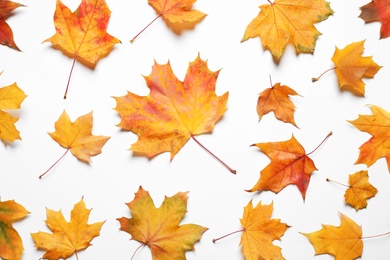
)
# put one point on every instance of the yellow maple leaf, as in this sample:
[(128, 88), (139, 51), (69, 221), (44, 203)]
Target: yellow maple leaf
[(158, 228), (67, 238), (284, 21), (11, 97), (343, 242)]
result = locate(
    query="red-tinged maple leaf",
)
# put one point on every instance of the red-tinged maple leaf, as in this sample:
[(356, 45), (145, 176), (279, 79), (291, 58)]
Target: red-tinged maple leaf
[(82, 34), (159, 228), (378, 145), (6, 34), (289, 165), (377, 11), (277, 99)]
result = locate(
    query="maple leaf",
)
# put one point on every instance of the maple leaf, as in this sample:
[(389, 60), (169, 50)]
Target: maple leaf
[(174, 111), (276, 99), (378, 145), (11, 97), (285, 21), (158, 228), (359, 190), (377, 11), (174, 12), (11, 245), (77, 137), (82, 34), (67, 238), (351, 67), (289, 165), (343, 242), (6, 34)]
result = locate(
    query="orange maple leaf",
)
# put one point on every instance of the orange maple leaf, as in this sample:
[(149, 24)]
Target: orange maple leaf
[(77, 137), (158, 228), (351, 67), (359, 190), (11, 245), (343, 242), (174, 111), (289, 165), (378, 145), (285, 21), (67, 238), (11, 97), (6, 34), (174, 12), (276, 99), (377, 11), (82, 34)]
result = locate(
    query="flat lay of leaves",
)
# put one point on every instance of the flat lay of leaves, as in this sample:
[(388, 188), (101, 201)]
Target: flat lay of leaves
[(155, 123)]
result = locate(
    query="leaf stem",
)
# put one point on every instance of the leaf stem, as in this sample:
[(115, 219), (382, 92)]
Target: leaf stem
[(40, 176), (380, 235), (339, 183), (326, 137), (136, 251), (237, 231), (132, 40), (77, 256), (224, 164), (70, 75), (315, 79)]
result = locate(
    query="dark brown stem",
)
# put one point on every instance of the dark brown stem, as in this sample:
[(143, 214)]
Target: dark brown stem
[(224, 164), (380, 235), (237, 231), (40, 176), (70, 75), (132, 40), (326, 137), (136, 251), (339, 183), (315, 79)]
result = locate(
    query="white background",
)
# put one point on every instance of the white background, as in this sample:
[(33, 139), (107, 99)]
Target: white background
[(216, 197)]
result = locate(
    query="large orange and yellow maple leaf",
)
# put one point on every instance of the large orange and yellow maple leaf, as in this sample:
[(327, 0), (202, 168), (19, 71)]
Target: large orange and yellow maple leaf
[(158, 228), (11, 244), (82, 34), (378, 145), (277, 99), (289, 165), (174, 111), (77, 137), (67, 238), (377, 11), (288, 21), (11, 97), (6, 34), (343, 242)]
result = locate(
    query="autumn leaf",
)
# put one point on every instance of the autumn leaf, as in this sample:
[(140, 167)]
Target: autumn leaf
[(158, 228), (289, 165), (351, 67), (359, 190), (259, 231), (288, 21), (11, 245), (343, 242), (277, 99), (67, 238), (77, 137), (377, 11), (11, 97), (174, 12), (378, 145), (174, 111), (82, 34), (6, 34)]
